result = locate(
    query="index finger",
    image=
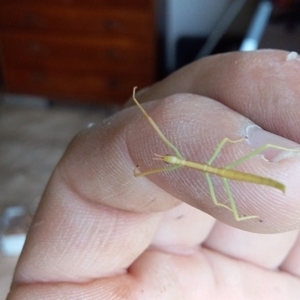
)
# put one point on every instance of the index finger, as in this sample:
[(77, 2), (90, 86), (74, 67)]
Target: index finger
[(261, 85)]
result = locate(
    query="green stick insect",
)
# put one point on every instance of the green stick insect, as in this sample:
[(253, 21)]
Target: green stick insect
[(177, 161)]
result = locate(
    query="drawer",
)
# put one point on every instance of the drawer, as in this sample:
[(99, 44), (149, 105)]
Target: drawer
[(77, 54), (90, 87), (138, 4), (74, 21)]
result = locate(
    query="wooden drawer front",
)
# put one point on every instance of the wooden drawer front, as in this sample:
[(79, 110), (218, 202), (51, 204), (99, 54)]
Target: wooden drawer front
[(90, 87), (102, 23), (77, 54), (139, 4)]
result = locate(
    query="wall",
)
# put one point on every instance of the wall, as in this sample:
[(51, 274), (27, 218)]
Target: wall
[(189, 18)]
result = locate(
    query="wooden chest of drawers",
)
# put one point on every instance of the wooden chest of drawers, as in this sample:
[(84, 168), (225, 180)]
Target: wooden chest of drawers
[(91, 50)]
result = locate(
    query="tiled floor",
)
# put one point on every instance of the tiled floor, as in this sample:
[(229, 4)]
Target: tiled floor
[(31, 142)]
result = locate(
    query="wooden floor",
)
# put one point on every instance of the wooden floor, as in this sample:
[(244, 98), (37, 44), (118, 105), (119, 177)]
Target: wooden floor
[(31, 142)]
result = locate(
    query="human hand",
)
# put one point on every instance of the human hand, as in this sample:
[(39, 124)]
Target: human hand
[(100, 233)]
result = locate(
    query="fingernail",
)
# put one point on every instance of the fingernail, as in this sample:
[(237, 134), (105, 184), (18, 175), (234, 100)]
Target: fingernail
[(257, 137), (292, 56)]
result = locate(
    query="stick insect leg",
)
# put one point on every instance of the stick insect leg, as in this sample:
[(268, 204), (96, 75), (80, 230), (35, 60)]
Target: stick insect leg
[(209, 181), (146, 173), (234, 209), (163, 138), (232, 206), (220, 146), (155, 127), (239, 161), (213, 195), (258, 151)]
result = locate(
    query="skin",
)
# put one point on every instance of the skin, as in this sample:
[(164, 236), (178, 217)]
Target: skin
[(100, 233)]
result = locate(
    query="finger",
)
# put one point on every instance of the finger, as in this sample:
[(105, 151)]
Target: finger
[(197, 124), (269, 251), (159, 275), (292, 262), (209, 275), (95, 217), (182, 229), (261, 85)]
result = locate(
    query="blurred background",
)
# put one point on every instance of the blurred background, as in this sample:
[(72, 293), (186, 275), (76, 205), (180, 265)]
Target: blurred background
[(66, 64)]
